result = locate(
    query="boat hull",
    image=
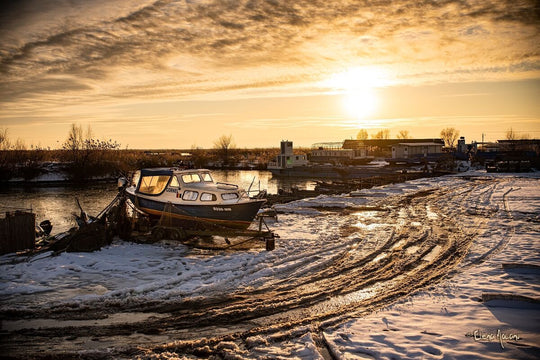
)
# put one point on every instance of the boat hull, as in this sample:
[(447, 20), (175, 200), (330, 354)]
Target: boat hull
[(239, 215)]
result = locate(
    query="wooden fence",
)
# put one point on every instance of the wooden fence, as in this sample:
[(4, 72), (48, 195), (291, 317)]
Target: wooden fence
[(17, 231)]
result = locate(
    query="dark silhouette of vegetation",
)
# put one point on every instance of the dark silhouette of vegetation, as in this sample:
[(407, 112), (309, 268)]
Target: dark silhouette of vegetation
[(18, 162), (362, 135), (382, 134), (511, 134), (84, 158), (449, 136), (223, 145), (87, 157), (4, 141), (403, 134)]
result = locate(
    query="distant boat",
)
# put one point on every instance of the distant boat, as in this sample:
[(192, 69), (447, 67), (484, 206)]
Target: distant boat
[(192, 194)]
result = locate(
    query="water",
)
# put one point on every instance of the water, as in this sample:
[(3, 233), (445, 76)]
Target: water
[(58, 203), (244, 178)]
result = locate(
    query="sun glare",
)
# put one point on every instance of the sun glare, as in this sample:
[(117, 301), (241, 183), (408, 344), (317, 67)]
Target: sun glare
[(358, 88), (360, 103)]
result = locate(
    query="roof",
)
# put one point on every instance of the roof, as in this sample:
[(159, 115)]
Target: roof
[(353, 144), (420, 144), (156, 171), (167, 171)]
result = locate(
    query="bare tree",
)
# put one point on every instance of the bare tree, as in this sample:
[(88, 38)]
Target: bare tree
[(4, 140), (6, 144), (449, 136), (403, 134), (87, 156), (511, 134), (223, 145), (362, 135), (19, 145), (75, 140), (383, 134)]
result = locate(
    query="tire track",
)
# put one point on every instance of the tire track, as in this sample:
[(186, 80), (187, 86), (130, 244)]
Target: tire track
[(410, 258)]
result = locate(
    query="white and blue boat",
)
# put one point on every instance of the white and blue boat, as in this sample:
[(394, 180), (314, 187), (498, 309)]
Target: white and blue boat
[(192, 194)]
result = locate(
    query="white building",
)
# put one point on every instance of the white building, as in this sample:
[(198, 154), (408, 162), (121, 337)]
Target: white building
[(287, 159), (335, 153)]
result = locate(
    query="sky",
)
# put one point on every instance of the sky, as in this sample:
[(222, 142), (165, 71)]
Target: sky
[(180, 74)]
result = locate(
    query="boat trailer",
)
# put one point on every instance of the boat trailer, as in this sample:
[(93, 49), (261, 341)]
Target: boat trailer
[(123, 219)]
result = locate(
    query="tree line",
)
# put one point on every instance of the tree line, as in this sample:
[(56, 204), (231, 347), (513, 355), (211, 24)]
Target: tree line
[(449, 135), (83, 157)]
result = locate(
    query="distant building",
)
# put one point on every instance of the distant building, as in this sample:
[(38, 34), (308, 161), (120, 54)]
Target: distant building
[(511, 156), (409, 150), (488, 147), (385, 147), (465, 151), (461, 145), (335, 154), (287, 159), (528, 145)]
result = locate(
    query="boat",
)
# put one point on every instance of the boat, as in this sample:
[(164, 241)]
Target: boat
[(192, 195)]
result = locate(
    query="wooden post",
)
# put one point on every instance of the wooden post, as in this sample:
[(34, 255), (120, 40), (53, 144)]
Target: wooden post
[(270, 243), (17, 231)]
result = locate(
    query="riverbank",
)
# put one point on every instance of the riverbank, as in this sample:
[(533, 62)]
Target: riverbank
[(347, 186)]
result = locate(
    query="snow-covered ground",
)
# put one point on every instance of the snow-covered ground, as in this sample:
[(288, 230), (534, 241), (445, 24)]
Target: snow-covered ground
[(449, 320), (500, 214)]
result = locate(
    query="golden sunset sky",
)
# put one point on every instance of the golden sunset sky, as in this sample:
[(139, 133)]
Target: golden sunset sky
[(178, 74)]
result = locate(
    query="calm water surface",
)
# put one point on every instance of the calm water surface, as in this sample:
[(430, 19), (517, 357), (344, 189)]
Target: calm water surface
[(58, 203)]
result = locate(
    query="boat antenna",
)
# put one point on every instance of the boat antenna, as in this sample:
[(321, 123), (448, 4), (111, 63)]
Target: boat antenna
[(250, 185)]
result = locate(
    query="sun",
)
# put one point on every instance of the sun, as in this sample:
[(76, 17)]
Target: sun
[(358, 86), (360, 103)]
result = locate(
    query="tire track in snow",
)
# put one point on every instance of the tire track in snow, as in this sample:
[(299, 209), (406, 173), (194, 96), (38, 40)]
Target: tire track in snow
[(417, 251)]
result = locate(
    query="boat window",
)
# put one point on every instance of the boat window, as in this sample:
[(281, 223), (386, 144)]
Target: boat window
[(153, 185), (190, 195), (207, 177), (191, 178), (174, 182), (229, 196), (208, 197)]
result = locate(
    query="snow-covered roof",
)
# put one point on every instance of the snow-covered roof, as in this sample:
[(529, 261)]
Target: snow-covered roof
[(420, 144)]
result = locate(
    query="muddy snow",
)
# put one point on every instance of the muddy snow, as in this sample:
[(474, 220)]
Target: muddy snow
[(434, 268)]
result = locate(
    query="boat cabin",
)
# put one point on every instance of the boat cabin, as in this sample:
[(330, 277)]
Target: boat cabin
[(185, 185)]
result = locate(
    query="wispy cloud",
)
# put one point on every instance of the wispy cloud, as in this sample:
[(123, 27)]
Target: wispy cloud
[(224, 36), (55, 52)]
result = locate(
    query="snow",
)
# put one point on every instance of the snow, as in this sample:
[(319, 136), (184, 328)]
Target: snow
[(448, 320), (445, 320)]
